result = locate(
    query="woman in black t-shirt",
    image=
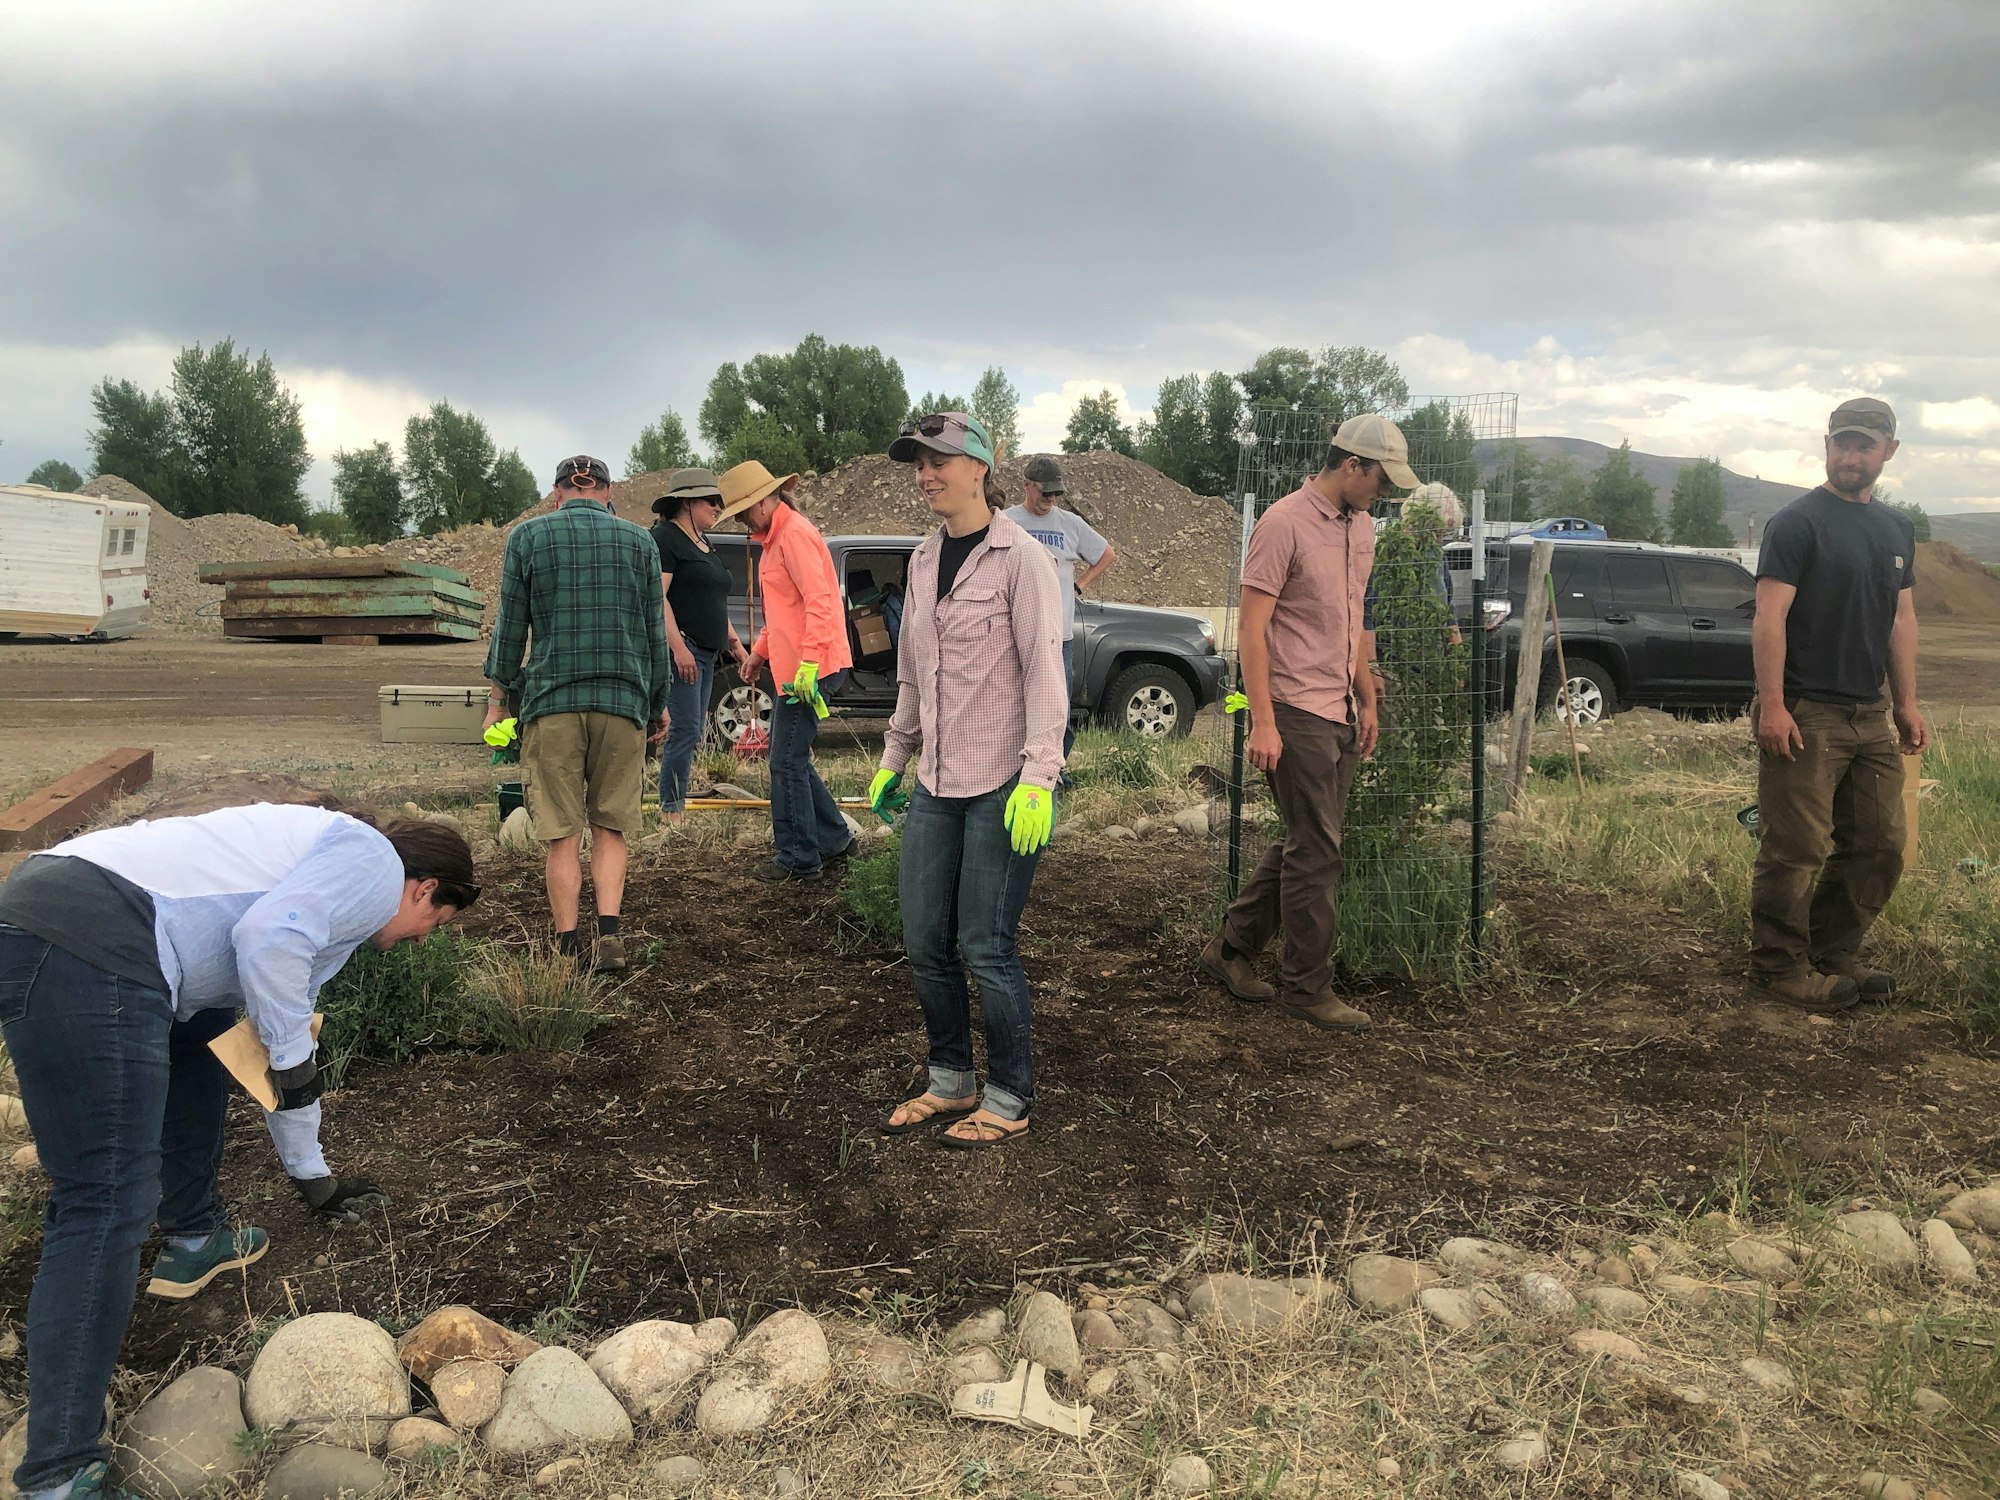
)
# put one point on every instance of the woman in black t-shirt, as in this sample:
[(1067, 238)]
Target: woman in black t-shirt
[(696, 584)]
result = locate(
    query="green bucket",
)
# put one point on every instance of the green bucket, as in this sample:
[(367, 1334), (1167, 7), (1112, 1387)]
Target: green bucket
[(512, 795)]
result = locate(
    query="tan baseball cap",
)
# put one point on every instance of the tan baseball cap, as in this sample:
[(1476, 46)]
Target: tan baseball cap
[(1375, 436), (1863, 414)]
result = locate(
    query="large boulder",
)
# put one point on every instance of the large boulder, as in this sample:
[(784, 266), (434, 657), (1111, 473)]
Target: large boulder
[(1880, 1238), (467, 1392), (1046, 1333), (784, 1353), (460, 1333), (185, 1438), (319, 1471), (1243, 1304), (1978, 1208), (1386, 1283), (333, 1375), (553, 1403), (651, 1366)]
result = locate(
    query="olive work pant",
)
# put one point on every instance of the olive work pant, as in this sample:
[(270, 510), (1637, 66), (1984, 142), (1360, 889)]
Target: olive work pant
[(1832, 826), (1297, 883)]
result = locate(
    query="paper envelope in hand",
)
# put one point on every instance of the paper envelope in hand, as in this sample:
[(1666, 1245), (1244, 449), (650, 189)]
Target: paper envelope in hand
[(242, 1052)]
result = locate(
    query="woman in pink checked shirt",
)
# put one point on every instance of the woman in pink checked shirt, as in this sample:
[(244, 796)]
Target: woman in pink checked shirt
[(981, 689)]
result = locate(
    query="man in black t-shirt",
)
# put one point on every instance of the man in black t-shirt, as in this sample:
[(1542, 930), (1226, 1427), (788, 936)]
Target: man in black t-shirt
[(1835, 619)]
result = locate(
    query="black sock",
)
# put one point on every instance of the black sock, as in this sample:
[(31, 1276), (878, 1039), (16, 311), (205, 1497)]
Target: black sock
[(606, 926), (569, 942)]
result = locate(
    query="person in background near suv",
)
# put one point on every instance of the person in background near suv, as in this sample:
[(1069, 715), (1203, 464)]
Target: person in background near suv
[(586, 586), (1835, 617), (805, 642), (979, 688), (1312, 714), (1070, 539), (696, 583)]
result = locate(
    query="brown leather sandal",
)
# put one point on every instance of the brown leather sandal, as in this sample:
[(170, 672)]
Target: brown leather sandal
[(936, 1112), (991, 1132)]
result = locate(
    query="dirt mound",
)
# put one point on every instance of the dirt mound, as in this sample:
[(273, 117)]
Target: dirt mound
[(1174, 546), (1950, 583), (232, 789)]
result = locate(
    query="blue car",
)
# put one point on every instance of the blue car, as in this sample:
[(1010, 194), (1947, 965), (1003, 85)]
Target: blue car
[(1569, 529)]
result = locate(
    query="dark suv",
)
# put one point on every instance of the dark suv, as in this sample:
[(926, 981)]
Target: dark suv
[(1641, 624), (1147, 670)]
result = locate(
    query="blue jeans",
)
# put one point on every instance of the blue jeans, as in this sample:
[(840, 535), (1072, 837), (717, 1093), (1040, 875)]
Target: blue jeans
[(687, 711), (962, 888), (805, 824), (126, 1105)]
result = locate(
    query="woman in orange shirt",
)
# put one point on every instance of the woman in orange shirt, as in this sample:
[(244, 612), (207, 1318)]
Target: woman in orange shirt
[(805, 642)]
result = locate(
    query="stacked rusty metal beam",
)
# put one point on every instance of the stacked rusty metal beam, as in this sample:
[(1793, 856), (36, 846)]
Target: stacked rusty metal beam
[(344, 598)]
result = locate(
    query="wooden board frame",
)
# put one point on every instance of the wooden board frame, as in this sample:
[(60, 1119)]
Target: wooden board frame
[(66, 804)]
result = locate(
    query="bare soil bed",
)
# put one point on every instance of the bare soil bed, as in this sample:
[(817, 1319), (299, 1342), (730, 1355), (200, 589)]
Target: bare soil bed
[(716, 1148)]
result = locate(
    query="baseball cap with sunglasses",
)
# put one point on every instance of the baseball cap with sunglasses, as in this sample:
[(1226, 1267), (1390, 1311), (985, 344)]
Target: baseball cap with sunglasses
[(943, 432), (582, 472)]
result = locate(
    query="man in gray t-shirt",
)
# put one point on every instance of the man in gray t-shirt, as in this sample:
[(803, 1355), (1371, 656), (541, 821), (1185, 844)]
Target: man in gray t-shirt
[(1070, 540)]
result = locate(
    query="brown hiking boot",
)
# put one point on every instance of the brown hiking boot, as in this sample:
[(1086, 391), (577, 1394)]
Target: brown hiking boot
[(610, 955), (1873, 983), (1220, 961), (1329, 1013), (1810, 991)]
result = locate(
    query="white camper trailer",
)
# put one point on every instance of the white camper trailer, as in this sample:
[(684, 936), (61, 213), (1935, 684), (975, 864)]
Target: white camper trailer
[(71, 565)]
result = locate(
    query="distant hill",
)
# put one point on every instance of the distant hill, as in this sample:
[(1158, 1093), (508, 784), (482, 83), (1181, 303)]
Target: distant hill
[(1976, 533), (1745, 501)]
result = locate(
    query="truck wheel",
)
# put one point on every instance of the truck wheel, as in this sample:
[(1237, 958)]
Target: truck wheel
[(1148, 700), (1592, 693), (734, 707)]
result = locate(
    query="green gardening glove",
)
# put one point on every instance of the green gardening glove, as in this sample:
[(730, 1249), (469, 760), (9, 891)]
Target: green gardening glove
[(885, 794), (1031, 813), (1235, 703), (505, 738), (805, 682)]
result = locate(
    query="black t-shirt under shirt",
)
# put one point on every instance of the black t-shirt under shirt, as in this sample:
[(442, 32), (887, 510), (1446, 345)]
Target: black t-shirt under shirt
[(952, 556), (1850, 564), (102, 918), (698, 591)]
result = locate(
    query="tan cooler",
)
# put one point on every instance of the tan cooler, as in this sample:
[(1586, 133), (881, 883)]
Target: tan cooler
[(432, 715)]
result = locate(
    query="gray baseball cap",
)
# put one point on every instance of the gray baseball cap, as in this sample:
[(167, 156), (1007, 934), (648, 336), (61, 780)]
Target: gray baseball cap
[(1863, 414), (1045, 474)]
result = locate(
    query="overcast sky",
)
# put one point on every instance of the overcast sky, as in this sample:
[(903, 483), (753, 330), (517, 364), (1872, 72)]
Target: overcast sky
[(1695, 225)]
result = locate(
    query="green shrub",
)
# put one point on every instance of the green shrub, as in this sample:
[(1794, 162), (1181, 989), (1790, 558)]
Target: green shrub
[(387, 1007), (872, 891)]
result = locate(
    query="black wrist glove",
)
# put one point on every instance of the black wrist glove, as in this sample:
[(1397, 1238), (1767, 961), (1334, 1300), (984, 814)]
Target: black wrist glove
[(340, 1199), (300, 1086)]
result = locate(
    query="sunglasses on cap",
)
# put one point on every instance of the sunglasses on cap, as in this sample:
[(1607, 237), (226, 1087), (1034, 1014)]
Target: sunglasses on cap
[(935, 425)]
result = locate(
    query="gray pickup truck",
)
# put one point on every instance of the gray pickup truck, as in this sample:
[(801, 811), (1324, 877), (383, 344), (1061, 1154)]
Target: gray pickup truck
[(1146, 670)]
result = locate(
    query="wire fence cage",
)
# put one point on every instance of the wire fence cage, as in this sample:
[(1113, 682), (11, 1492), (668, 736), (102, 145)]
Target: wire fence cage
[(1417, 880)]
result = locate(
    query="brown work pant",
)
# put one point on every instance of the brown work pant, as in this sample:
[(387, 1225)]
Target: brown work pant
[(1297, 883), (1832, 826)]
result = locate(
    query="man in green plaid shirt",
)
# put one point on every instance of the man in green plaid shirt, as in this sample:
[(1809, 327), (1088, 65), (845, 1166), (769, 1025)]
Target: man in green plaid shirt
[(592, 694)]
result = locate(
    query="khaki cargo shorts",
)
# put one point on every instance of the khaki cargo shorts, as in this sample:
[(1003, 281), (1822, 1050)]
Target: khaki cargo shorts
[(582, 768)]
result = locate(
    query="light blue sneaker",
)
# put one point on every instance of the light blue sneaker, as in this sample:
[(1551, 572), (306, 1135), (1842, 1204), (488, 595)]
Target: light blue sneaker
[(179, 1273)]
